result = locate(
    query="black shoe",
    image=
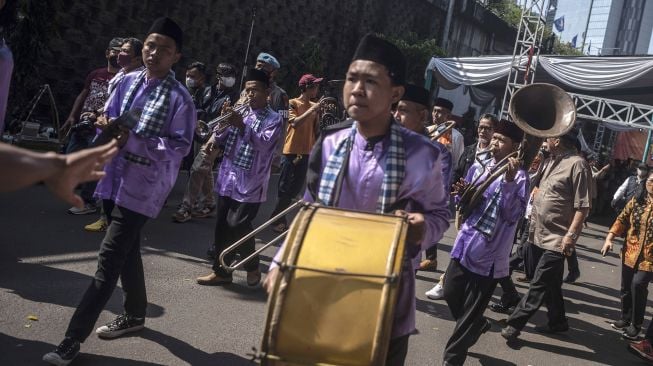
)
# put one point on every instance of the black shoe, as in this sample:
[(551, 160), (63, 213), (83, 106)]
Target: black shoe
[(64, 354), (620, 324), (556, 328), (123, 324), (504, 308), (510, 333), (572, 277), (631, 333)]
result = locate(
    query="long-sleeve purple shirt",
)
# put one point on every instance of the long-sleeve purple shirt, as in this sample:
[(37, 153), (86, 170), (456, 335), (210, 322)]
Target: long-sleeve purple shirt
[(422, 186), (144, 188), (249, 185), (489, 256)]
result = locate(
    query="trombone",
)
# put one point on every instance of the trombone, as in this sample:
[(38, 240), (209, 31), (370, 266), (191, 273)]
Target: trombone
[(230, 267), (205, 128), (435, 132)]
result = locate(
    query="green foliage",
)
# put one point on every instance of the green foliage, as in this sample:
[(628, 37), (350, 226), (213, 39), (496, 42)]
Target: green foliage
[(307, 60), (418, 53), (507, 10)]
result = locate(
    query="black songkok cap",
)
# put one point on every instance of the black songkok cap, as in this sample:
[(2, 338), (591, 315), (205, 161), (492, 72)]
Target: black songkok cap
[(509, 129), (258, 75), (373, 48), (167, 27), (572, 136), (444, 103), (416, 94)]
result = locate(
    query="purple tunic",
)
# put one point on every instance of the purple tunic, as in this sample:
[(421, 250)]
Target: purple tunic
[(422, 186), (249, 185), (475, 250), (143, 188), (6, 67)]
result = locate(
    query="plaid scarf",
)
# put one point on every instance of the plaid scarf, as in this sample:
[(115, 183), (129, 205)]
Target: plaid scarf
[(395, 166), (245, 157), (155, 111), (487, 223)]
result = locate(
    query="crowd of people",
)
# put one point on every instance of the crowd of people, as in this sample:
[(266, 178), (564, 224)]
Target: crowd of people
[(396, 153)]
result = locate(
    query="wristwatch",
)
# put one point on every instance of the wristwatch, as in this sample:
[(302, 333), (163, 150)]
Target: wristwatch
[(572, 235)]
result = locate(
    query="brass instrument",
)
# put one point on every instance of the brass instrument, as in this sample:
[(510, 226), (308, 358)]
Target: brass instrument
[(436, 131), (541, 110), (217, 125)]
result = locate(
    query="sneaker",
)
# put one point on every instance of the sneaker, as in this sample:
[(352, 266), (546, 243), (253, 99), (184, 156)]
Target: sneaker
[(88, 208), (123, 324), (205, 211), (436, 293), (642, 349), (182, 215), (428, 265), (253, 278), (572, 277), (620, 324), (97, 227), (510, 333), (631, 333), (64, 354)]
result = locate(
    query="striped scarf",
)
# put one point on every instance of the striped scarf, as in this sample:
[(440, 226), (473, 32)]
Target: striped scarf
[(395, 166), (245, 157), (487, 222), (155, 111)]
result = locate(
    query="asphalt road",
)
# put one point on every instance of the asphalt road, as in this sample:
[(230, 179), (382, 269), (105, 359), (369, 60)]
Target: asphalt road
[(47, 261)]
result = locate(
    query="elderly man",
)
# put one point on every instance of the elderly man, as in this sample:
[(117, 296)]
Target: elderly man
[(559, 210), (383, 167), (135, 186)]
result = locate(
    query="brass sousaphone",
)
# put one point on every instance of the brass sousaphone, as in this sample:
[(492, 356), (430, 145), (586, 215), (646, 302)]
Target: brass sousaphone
[(541, 110)]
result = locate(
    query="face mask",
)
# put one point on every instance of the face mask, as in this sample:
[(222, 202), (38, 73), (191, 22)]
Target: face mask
[(191, 83), (124, 59), (113, 61), (228, 81)]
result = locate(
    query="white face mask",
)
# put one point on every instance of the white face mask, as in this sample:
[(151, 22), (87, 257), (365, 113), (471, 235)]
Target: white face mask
[(228, 81), (191, 83)]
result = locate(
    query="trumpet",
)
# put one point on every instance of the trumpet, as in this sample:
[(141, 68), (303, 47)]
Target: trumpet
[(540, 110), (218, 125), (435, 132)]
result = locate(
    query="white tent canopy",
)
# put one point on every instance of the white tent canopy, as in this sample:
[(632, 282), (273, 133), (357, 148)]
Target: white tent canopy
[(581, 73)]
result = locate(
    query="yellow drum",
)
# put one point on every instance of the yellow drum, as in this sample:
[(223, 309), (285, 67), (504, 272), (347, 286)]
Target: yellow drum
[(334, 301)]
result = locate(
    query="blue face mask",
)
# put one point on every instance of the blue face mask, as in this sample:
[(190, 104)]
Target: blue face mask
[(191, 83)]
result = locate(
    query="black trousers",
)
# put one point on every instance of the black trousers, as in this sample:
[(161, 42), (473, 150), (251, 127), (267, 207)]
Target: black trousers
[(234, 220), (634, 292), (119, 257), (509, 294), (291, 182), (432, 253), (545, 288), (467, 295), (397, 351)]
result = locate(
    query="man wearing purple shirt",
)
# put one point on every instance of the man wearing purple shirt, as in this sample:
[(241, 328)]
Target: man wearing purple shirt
[(375, 80), (242, 182), (481, 250), (135, 186)]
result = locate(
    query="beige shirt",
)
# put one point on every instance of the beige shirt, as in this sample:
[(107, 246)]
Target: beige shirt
[(564, 188)]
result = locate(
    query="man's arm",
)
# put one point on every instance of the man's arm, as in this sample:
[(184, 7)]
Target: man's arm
[(576, 227), (61, 173), (295, 121)]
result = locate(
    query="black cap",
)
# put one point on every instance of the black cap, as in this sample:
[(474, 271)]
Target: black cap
[(444, 103), (116, 43), (416, 94), (572, 136), (509, 129), (643, 166), (167, 27), (258, 75), (373, 48)]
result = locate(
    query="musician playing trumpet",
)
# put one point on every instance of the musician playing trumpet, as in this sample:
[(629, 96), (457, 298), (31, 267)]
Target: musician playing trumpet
[(481, 251), (242, 181), (300, 136)]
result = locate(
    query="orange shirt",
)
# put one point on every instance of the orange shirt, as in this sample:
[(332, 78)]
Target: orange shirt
[(300, 139)]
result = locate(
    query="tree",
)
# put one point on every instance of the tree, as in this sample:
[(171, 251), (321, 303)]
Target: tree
[(418, 53)]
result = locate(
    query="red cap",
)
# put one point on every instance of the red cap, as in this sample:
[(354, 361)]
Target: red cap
[(309, 79)]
